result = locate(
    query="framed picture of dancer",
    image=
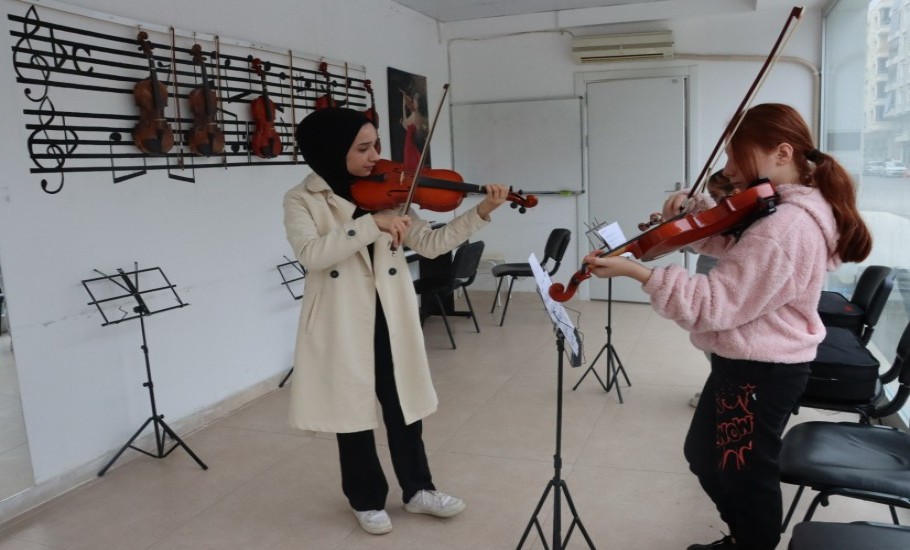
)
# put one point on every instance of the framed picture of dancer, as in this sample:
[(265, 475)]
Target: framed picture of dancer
[(408, 117)]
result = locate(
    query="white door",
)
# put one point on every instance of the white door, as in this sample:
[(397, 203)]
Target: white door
[(636, 157)]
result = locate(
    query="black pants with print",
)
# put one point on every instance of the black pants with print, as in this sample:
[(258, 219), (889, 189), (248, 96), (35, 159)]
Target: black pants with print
[(362, 479), (734, 442)]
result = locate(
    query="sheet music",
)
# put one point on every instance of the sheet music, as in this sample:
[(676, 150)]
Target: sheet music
[(555, 310), (613, 236)]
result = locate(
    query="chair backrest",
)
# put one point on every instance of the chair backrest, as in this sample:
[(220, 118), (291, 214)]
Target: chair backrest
[(900, 370), (869, 292), (557, 243), (465, 262)]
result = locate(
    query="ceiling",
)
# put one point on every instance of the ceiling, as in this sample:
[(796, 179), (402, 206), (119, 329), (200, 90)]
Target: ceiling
[(449, 11)]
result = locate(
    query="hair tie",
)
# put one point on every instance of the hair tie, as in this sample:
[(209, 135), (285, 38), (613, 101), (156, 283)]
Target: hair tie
[(815, 156)]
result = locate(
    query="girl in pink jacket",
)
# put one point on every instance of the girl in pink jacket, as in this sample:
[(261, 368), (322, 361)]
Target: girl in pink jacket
[(756, 313)]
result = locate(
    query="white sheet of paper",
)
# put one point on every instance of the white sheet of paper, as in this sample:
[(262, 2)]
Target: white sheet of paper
[(557, 313), (613, 236)]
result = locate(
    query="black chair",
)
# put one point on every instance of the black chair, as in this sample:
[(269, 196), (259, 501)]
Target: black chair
[(861, 312), (816, 535), (555, 249), (846, 459), (845, 377), (464, 270)]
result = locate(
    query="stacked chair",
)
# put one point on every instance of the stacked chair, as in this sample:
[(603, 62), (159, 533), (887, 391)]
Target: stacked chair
[(853, 460), (817, 535), (844, 374), (464, 270)]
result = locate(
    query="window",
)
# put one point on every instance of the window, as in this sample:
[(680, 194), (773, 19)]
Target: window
[(876, 84)]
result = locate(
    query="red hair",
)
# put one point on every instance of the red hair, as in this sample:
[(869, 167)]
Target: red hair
[(766, 126)]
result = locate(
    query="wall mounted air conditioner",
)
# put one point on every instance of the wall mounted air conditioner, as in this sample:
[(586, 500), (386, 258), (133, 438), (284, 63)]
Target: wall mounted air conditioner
[(623, 47)]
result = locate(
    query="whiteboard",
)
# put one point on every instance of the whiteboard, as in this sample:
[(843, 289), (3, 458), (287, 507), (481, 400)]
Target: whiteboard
[(532, 145)]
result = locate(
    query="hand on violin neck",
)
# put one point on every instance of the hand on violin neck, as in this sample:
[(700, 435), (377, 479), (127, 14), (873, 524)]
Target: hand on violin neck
[(616, 266), (396, 226), (496, 196)]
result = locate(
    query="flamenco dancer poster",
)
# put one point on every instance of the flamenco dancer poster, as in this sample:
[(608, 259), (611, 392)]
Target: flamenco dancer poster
[(408, 117)]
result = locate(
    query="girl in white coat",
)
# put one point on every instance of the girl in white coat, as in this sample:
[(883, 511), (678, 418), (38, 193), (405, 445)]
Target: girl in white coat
[(360, 341)]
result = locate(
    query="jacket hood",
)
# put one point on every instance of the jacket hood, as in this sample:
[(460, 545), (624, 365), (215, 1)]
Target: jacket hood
[(810, 200)]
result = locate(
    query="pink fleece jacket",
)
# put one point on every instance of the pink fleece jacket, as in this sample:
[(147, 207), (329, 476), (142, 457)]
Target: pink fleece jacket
[(760, 302)]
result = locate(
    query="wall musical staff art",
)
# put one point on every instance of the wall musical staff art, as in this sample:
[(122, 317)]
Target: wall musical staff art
[(170, 101)]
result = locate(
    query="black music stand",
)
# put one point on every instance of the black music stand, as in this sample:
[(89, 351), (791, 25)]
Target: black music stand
[(162, 297), (297, 273), (614, 365), (563, 328)]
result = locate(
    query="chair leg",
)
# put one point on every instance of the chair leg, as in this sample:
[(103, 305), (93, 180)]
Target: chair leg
[(505, 308), (445, 319), (470, 308), (799, 493), (496, 298)]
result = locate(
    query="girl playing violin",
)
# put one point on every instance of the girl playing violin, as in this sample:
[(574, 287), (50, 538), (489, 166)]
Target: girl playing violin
[(755, 312), (359, 312)]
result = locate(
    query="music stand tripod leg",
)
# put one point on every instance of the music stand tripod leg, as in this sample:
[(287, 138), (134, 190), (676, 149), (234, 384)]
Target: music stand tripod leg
[(557, 483), (285, 379)]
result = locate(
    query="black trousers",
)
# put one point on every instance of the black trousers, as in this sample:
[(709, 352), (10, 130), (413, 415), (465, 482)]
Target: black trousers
[(362, 479), (734, 442)]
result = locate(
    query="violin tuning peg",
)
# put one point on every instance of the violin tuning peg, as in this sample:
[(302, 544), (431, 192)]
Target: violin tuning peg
[(513, 205), (522, 210)]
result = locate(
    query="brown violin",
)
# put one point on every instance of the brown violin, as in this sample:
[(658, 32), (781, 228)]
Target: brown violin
[(152, 135), (326, 100), (389, 185), (205, 138), (371, 112), (731, 214), (266, 142)]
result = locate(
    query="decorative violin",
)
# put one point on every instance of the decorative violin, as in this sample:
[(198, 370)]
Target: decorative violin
[(371, 112), (266, 142), (326, 100), (733, 214), (389, 185), (205, 138), (152, 135)]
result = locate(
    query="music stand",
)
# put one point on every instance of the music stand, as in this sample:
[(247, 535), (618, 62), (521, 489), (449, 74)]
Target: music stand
[(298, 273), (598, 236), (564, 329), (156, 299)]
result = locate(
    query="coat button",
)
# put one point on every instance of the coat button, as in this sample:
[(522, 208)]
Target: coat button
[(393, 271), (351, 232), (334, 274)]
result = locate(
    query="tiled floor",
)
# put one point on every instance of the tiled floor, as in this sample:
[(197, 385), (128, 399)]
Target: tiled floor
[(15, 463), (491, 443)]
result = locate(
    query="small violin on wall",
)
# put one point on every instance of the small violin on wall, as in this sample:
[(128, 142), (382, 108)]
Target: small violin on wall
[(152, 135), (326, 100), (206, 138), (371, 112), (265, 142)]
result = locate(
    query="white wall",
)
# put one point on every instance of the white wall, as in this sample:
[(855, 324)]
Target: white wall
[(517, 58), (218, 240)]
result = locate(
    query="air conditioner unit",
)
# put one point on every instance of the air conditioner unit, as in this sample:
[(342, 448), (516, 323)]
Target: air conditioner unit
[(623, 47)]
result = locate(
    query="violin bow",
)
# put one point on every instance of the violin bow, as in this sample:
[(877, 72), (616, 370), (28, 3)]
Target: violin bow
[(727, 135)]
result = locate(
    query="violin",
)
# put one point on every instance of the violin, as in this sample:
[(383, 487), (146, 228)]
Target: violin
[(732, 215), (205, 138), (326, 100), (266, 142), (371, 112), (389, 185), (152, 135)]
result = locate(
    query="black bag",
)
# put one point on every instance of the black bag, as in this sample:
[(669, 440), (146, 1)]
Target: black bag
[(843, 369)]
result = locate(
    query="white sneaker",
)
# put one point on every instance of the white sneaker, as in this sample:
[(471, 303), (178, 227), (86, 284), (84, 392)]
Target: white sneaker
[(693, 401), (374, 522), (434, 503)]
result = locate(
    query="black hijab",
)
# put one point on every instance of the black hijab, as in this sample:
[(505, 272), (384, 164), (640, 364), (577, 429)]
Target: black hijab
[(325, 137)]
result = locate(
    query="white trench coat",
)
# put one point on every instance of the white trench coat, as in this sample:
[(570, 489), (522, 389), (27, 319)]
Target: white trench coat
[(333, 387)]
